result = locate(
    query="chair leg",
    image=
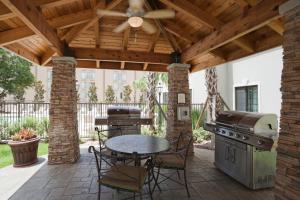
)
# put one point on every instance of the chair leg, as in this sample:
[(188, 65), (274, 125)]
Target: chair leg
[(178, 174), (186, 185), (149, 186), (134, 196), (99, 192), (156, 181)]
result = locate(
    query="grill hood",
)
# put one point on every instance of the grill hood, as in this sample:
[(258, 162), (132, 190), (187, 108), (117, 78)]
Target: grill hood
[(265, 125)]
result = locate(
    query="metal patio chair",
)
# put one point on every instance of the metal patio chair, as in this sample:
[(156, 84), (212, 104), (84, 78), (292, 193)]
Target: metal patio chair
[(123, 177), (174, 160)]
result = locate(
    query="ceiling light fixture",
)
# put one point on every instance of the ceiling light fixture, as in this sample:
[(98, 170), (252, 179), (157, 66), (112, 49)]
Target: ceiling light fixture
[(135, 21)]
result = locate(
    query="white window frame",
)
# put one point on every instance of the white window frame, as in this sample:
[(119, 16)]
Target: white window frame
[(246, 85)]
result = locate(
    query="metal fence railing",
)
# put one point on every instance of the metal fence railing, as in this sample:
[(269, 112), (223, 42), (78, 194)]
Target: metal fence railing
[(14, 115)]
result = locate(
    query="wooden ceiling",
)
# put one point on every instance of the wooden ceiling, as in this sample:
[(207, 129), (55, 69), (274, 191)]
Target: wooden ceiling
[(206, 32)]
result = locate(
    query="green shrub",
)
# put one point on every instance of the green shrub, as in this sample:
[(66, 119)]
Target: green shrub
[(30, 123), (13, 128), (194, 115), (201, 134)]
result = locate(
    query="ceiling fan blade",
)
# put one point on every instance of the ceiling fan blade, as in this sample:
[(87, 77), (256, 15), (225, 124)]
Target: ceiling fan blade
[(148, 27), (121, 27), (110, 13), (136, 5), (160, 14)]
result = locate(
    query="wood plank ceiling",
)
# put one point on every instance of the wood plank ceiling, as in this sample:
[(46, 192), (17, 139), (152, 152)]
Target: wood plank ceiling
[(207, 33)]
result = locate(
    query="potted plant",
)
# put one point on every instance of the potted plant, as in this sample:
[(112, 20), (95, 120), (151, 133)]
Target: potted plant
[(24, 146)]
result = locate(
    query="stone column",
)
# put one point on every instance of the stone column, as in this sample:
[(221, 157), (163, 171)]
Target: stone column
[(178, 83), (63, 131), (288, 158)]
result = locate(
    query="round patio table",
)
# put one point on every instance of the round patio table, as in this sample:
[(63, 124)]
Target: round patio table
[(141, 145)]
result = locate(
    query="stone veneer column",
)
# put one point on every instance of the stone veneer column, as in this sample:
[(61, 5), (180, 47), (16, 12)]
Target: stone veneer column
[(178, 82), (288, 158), (63, 131)]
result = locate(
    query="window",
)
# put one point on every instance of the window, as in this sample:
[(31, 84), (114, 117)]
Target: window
[(246, 98)]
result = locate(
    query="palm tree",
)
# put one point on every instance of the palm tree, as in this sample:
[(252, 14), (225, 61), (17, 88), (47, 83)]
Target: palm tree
[(152, 81)]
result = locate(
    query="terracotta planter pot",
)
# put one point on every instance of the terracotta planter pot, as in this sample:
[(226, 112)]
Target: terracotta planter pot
[(25, 152)]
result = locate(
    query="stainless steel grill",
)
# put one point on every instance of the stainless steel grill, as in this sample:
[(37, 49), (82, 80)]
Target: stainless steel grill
[(244, 146), (128, 119)]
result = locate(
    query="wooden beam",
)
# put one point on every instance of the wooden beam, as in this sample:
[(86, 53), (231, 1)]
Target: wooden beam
[(126, 35), (67, 21), (256, 17), (145, 66), (46, 4), (34, 19), (5, 13), (193, 12), (261, 45), (111, 5), (202, 17), (98, 65), (161, 27), (116, 66), (277, 26), (242, 3), (97, 35), (15, 35), (153, 40), (47, 56), (23, 52), (118, 56), (185, 35), (123, 65)]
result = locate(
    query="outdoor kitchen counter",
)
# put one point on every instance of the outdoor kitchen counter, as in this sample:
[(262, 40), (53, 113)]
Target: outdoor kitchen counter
[(111, 121)]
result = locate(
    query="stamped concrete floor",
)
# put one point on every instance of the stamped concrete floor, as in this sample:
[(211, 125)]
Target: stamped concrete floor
[(79, 181)]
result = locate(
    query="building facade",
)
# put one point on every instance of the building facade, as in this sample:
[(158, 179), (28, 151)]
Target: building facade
[(248, 84), (85, 77)]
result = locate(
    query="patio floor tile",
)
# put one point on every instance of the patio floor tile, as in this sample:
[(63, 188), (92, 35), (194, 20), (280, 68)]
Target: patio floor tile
[(79, 181)]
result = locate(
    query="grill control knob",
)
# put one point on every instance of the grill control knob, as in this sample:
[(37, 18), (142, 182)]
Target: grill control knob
[(230, 133), (223, 132), (237, 135), (245, 138)]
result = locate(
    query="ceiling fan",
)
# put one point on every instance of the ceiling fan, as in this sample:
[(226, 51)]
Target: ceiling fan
[(137, 16)]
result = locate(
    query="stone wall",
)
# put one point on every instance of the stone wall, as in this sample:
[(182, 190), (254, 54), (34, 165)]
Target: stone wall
[(288, 159), (63, 131), (178, 82)]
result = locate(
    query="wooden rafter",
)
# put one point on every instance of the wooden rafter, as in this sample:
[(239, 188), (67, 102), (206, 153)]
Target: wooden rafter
[(5, 13), (97, 35), (73, 19), (162, 29), (203, 17), (116, 55), (15, 35), (126, 35), (46, 57), (111, 5), (34, 19), (116, 66), (123, 65), (256, 17), (23, 52), (145, 66), (275, 25), (153, 40), (46, 4)]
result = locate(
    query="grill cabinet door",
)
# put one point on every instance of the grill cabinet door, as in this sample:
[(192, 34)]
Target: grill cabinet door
[(231, 158)]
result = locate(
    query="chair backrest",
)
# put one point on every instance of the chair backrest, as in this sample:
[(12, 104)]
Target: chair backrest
[(103, 134), (183, 145)]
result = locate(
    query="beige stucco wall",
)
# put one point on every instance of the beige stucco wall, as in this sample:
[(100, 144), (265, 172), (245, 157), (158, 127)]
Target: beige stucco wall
[(103, 78)]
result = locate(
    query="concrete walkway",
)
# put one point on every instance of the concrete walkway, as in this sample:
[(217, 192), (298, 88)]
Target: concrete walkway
[(11, 178)]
